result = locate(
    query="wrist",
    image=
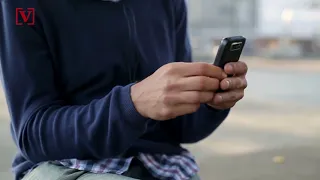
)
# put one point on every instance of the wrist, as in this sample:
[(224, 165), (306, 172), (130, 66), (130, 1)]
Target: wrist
[(136, 95)]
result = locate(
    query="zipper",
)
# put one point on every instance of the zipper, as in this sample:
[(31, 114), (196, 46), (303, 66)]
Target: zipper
[(132, 50)]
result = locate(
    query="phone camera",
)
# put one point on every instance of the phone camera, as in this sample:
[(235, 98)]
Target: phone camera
[(236, 46)]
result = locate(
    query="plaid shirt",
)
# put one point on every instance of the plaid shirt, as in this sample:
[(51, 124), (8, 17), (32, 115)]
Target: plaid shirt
[(177, 167)]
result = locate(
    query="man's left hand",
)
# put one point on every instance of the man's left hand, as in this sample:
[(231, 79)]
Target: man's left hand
[(232, 87)]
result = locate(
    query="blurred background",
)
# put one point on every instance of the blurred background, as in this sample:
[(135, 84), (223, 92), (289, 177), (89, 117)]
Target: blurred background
[(274, 28), (274, 133)]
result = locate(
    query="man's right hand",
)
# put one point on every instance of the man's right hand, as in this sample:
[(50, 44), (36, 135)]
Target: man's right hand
[(176, 89)]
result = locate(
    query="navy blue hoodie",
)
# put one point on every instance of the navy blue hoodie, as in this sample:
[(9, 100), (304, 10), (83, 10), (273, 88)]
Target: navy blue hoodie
[(67, 78)]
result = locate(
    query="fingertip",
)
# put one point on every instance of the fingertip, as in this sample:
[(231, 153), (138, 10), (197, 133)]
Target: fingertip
[(225, 85), (218, 98), (228, 68)]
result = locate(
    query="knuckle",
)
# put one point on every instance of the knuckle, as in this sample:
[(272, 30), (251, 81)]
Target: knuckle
[(242, 66), (240, 83), (202, 82), (202, 68), (245, 66), (169, 68), (169, 85), (230, 83), (245, 83), (166, 99), (233, 96), (197, 97), (215, 84), (165, 113), (241, 95)]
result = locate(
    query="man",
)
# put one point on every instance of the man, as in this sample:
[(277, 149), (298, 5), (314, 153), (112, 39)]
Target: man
[(107, 90)]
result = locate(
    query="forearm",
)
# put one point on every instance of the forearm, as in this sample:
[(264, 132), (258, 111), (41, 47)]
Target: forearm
[(104, 128)]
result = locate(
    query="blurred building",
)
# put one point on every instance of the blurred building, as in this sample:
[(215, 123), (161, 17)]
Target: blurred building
[(222, 17), (287, 26), (211, 20)]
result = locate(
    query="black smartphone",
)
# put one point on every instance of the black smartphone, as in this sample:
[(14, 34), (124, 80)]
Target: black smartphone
[(229, 50)]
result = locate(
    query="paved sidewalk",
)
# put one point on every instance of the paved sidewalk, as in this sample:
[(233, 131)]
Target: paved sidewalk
[(244, 146)]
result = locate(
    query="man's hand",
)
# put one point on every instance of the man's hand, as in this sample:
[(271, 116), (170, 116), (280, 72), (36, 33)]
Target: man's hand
[(233, 87), (176, 89)]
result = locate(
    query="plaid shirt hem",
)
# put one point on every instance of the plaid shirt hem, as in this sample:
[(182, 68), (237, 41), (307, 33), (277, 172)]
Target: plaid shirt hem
[(164, 167)]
